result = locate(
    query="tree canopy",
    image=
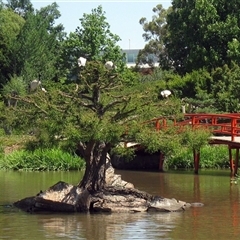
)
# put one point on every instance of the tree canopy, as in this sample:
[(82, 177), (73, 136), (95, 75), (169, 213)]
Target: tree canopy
[(154, 33), (202, 34), (92, 40), (10, 26), (191, 35), (30, 41)]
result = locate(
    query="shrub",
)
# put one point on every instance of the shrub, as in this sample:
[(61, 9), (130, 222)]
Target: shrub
[(41, 160), (210, 157)]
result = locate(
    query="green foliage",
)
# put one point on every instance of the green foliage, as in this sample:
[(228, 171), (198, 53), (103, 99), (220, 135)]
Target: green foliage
[(195, 138), (190, 84), (94, 41), (154, 32), (130, 77), (15, 87), (210, 157), (10, 26), (157, 74), (38, 44), (41, 160), (168, 141), (225, 88), (201, 34)]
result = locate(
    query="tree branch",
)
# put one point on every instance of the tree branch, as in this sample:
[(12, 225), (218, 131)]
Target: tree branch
[(31, 102)]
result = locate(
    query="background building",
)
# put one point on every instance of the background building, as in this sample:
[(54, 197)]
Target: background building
[(131, 58)]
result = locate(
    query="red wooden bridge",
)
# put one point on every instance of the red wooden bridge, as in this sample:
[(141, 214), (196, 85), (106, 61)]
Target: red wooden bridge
[(224, 127)]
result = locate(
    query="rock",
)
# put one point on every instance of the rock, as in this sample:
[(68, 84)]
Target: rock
[(63, 197), (196, 204), (119, 203), (166, 205), (113, 179)]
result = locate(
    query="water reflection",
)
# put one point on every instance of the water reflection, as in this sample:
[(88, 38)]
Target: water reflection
[(218, 219), (108, 227)]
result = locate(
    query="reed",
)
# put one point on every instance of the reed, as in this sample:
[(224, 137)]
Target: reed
[(41, 160)]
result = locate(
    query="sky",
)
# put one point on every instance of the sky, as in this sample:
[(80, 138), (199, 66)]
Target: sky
[(123, 16)]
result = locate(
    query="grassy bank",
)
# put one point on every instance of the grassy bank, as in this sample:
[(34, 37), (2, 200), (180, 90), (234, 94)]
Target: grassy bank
[(13, 156), (41, 160)]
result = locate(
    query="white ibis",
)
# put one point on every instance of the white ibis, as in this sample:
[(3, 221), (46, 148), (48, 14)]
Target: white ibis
[(109, 65), (34, 85), (82, 61), (43, 89), (166, 93)]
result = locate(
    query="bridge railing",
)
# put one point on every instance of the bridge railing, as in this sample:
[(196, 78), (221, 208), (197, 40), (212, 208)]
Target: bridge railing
[(219, 124)]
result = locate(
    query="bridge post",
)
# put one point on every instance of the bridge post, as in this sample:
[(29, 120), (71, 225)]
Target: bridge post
[(161, 161), (196, 157), (236, 161), (233, 162), (157, 125)]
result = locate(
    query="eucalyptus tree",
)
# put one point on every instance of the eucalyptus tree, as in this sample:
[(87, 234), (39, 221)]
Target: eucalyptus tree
[(202, 33), (21, 7), (154, 32)]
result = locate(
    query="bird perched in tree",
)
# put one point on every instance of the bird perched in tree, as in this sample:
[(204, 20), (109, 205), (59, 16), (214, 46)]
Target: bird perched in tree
[(43, 89), (166, 93), (34, 85), (109, 65), (82, 61)]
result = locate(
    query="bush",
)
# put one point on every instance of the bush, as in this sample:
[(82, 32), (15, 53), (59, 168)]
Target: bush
[(210, 157), (41, 160)]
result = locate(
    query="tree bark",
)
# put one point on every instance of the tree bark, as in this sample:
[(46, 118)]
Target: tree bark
[(96, 164)]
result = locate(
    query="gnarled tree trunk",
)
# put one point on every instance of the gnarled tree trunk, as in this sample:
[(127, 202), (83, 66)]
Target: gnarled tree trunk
[(95, 155)]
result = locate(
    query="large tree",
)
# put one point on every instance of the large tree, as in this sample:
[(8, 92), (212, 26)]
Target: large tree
[(94, 116), (97, 116), (202, 33), (154, 32)]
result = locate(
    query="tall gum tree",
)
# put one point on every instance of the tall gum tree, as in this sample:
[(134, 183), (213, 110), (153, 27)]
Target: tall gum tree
[(154, 32)]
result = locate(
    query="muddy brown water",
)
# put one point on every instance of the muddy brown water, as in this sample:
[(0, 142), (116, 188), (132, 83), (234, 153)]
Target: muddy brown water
[(218, 219)]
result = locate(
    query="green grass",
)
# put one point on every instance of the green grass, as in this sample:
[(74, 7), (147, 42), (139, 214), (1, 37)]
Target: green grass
[(14, 156), (9, 143), (41, 160)]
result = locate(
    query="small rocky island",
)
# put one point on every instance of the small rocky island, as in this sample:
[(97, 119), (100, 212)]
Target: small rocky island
[(117, 196)]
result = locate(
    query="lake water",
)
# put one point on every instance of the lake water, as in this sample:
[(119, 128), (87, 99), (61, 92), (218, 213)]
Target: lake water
[(218, 219)]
